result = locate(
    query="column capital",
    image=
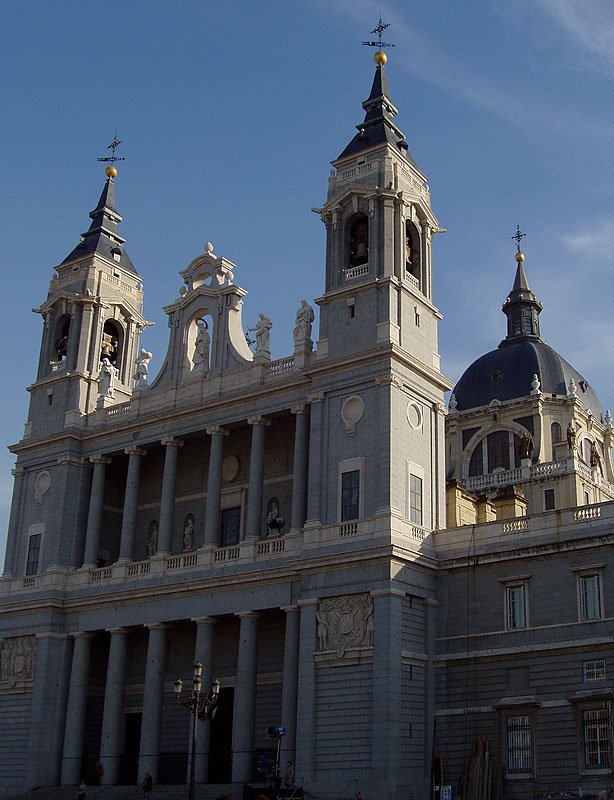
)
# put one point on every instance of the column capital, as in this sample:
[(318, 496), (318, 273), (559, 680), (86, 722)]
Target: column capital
[(204, 620), (171, 442), (291, 609), (308, 601), (18, 471), (258, 420), (118, 630), (216, 430), (387, 593), (73, 461), (100, 459), (135, 451), (82, 634), (316, 397), (248, 614), (157, 626), (298, 410)]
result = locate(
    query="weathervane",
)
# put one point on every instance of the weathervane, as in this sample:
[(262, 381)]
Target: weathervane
[(113, 147), (517, 237), (381, 27)]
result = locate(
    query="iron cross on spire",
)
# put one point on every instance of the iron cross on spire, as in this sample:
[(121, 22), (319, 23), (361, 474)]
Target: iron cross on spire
[(381, 27), (518, 237), (113, 147)]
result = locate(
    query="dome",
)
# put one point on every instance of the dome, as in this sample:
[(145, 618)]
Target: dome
[(506, 373)]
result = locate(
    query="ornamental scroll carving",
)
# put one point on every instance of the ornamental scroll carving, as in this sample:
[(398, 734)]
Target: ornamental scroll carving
[(345, 622), (17, 659)]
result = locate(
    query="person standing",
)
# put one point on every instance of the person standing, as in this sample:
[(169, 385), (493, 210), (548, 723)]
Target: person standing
[(147, 785), (82, 790)]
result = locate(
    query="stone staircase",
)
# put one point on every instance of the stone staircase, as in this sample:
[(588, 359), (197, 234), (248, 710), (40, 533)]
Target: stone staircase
[(162, 792)]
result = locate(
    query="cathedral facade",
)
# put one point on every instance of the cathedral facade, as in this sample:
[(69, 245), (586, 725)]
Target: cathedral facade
[(284, 524)]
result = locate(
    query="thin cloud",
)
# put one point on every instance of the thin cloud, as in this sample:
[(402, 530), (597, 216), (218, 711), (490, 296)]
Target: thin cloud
[(595, 242), (589, 24)]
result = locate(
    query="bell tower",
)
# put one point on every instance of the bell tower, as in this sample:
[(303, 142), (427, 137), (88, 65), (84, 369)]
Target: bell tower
[(379, 231), (92, 320)]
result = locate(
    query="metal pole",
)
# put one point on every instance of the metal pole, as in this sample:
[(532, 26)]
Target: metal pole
[(193, 756)]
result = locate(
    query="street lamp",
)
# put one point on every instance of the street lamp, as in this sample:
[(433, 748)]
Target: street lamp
[(201, 706)]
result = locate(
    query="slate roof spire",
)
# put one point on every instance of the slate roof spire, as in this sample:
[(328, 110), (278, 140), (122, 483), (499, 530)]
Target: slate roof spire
[(102, 236), (378, 126), (521, 308)]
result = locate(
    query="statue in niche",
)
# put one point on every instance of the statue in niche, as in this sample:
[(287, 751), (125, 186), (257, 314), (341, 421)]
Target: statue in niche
[(345, 622), (262, 329), (17, 660), (106, 379), (526, 446), (274, 521), (303, 323), (188, 533), (594, 456), (202, 343), (142, 367), (152, 538), (571, 436)]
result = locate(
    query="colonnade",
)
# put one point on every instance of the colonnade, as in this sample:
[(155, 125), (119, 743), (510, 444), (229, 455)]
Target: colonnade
[(112, 731), (217, 434)]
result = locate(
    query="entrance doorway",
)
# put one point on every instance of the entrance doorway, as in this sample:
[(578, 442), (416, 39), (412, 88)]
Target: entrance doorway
[(129, 765), (220, 739)]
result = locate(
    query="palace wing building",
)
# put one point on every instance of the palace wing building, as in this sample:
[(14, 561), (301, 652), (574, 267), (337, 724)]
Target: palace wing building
[(284, 523)]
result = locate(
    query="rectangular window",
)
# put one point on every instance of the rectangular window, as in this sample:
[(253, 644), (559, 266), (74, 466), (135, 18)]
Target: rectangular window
[(230, 526), (516, 616), (589, 588), (415, 499), (593, 670), (34, 551), (549, 502), (350, 495), (596, 729), (519, 746), (498, 450)]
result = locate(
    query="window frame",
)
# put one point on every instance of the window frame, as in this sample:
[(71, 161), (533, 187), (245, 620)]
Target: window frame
[(605, 765), (600, 672), (583, 575), (37, 530), (528, 749), (509, 585), (223, 512), (343, 467)]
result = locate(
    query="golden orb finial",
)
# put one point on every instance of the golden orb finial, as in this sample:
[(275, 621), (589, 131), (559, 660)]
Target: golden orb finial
[(380, 58), (519, 256), (111, 172)]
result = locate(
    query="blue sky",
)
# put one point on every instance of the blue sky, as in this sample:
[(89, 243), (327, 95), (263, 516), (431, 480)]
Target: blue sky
[(230, 113)]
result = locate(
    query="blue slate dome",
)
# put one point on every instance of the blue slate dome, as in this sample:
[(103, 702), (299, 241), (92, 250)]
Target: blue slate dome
[(506, 373)]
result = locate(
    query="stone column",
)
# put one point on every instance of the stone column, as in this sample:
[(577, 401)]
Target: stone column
[(316, 479), (72, 346), (300, 467), (167, 499), (48, 704), (214, 485), (245, 699), (131, 498), (289, 690), (149, 750), (94, 516), (256, 477), (17, 507), (113, 713), (75, 710), (203, 652), (306, 698), (386, 694)]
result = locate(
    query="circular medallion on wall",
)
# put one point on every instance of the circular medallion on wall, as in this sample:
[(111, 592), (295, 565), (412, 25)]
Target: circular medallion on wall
[(230, 468), (42, 483), (414, 415), (352, 411)]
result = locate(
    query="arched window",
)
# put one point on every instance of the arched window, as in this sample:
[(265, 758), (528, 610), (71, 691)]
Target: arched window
[(111, 342), (412, 251), (359, 241), (61, 339), (556, 436), (500, 450)]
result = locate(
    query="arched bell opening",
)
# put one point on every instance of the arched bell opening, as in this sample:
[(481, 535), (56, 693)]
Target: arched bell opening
[(358, 241), (412, 253), (60, 341), (112, 339)]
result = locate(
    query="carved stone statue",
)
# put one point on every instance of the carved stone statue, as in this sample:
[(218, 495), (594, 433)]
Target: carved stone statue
[(152, 539), (526, 446), (303, 323), (202, 343), (345, 622), (142, 367), (18, 658), (571, 436), (594, 456), (106, 379), (262, 329), (188, 533)]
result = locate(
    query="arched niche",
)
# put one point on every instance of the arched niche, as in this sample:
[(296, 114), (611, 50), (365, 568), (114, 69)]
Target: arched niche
[(60, 338), (412, 253), (198, 338), (112, 342), (357, 240)]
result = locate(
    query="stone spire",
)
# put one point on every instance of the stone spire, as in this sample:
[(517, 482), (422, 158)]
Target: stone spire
[(521, 308)]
